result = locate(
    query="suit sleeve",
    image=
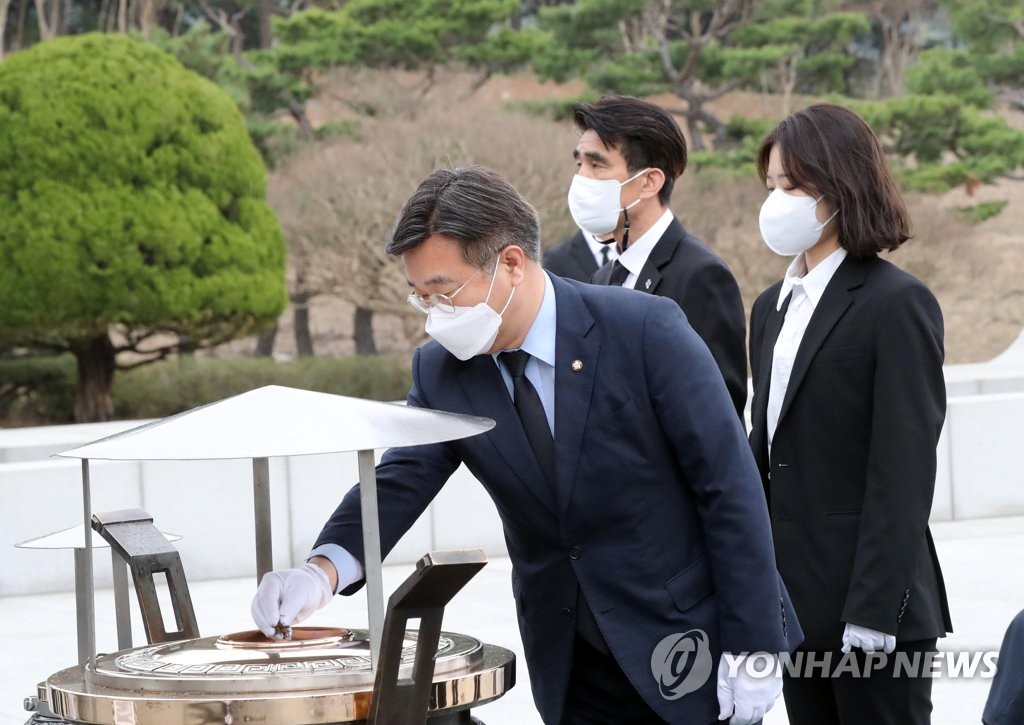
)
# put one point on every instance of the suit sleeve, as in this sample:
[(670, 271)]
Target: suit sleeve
[(754, 350), (715, 310), (711, 449), (407, 480), (909, 406)]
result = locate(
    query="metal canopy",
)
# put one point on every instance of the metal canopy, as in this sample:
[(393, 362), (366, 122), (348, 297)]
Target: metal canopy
[(74, 538), (280, 421)]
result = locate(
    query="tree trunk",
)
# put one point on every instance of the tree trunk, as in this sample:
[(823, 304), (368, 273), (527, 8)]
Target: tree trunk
[(265, 342), (300, 321), (94, 399), (45, 31), (147, 17), (4, 5), (696, 134), (298, 112), (363, 332), (19, 33), (266, 29), (122, 16)]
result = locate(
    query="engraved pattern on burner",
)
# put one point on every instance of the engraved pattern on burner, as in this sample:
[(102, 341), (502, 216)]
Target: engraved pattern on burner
[(148, 660)]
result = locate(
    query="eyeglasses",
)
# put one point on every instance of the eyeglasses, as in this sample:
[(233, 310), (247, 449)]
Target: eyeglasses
[(425, 303)]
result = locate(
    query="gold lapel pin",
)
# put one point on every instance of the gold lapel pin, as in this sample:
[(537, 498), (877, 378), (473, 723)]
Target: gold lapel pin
[(577, 365)]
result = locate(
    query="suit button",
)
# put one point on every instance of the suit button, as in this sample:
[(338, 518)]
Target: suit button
[(566, 613), (575, 552)]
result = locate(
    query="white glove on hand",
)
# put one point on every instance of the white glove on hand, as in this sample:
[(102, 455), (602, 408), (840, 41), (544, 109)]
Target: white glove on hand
[(744, 696), (867, 639), (289, 596)]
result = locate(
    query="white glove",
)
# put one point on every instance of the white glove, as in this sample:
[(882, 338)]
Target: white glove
[(747, 695), (289, 596), (867, 639)]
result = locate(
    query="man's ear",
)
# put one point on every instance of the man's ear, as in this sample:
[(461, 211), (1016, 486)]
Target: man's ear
[(514, 259), (652, 182)]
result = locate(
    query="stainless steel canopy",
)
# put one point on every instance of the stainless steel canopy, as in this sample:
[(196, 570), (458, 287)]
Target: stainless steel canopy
[(281, 421)]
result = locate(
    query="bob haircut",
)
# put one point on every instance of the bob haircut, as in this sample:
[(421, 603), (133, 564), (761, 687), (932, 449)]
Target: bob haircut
[(829, 151)]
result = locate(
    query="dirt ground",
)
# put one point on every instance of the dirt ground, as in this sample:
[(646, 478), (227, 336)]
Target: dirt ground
[(975, 270)]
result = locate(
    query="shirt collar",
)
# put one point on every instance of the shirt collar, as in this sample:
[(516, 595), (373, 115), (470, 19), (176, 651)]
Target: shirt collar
[(813, 282), (596, 246), (635, 256), (540, 339)]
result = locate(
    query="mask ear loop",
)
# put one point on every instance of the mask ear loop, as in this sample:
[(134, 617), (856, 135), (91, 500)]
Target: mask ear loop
[(494, 275), (625, 229), (824, 223), (625, 211)]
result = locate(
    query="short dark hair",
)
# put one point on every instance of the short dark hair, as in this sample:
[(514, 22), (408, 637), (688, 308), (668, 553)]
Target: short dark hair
[(472, 205), (829, 150), (645, 133)]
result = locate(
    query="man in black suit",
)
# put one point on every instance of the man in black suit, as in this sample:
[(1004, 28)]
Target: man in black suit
[(630, 153), (629, 499), (578, 259)]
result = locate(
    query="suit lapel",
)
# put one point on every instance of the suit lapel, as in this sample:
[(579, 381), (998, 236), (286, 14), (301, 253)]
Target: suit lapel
[(485, 389), (833, 303), (581, 251), (662, 253), (769, 336), (576, 358)]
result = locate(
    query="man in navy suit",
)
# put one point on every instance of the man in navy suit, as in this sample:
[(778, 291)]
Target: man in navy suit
[(630, 500)]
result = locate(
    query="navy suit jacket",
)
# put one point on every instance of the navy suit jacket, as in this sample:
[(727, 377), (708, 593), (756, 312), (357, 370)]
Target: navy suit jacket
[(657, 513)]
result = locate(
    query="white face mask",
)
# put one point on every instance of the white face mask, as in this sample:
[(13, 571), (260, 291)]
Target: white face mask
[(595, 203), (467, 331), (789, 224)]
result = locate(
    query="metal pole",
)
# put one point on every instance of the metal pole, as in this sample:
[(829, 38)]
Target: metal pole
[(80, 608), (87, 616), (122, 611), (261, 506), (371, 553)]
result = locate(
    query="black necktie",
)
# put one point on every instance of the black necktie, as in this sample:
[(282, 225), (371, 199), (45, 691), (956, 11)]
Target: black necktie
[(619, 274), (531, 412), (604, 255), (535, 423)]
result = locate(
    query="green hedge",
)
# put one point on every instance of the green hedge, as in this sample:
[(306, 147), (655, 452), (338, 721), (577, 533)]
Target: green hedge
[(47, 385), (37, 390)]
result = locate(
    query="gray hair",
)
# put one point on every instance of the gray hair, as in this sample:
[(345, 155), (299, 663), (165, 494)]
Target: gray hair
[(474, 206)]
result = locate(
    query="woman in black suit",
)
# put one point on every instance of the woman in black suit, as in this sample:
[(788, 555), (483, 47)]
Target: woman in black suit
[(849, 400)]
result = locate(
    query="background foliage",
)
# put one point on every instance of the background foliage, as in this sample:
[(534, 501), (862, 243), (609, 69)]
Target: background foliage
[(350, 102)]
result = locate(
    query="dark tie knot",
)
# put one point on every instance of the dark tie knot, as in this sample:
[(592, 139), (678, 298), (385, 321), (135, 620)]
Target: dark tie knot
[(619, 273), (515, 361)]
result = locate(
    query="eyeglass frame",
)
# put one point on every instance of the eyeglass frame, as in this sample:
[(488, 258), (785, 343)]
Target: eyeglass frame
[(445, 302)]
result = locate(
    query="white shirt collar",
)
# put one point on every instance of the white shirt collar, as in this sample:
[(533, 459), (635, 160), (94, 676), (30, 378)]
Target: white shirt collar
[(540, 339), (635, 256), (813, 282), (596, 247)]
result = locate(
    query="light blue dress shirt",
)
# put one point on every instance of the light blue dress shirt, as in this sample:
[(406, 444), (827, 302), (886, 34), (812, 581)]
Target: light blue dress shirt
[(540, 371)]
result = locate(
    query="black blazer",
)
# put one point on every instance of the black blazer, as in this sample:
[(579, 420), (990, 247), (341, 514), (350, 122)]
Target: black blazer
[(681, 268), (853, 457), (571, 259), (656, 512)]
